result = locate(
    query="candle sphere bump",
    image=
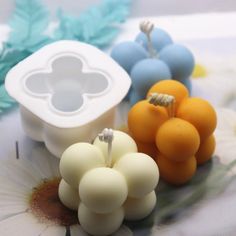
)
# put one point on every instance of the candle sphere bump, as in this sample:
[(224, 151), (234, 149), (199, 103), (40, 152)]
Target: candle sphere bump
[(144, 119), (138, 208), (100, 224), (77, 160), (141, 173), (170, 87), (127, 54), (103, 189), (177, 139), (206, 150), (68, 195), (146, 73), (200, 113), (148, 148), (176, 173), (159, 37), (179, 59), (122, 143)]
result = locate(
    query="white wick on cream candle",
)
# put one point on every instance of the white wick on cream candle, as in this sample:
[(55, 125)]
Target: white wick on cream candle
[(114, 182), (107, 136)]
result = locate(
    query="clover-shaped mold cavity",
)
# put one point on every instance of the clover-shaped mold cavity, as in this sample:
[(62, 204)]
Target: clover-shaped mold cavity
[(66, 85)]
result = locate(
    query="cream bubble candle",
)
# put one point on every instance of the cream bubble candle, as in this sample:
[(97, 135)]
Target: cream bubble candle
[(108, 181)]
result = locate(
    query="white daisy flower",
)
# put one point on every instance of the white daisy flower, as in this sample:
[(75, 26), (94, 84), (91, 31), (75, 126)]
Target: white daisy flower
[(29, 202), (226, 135), (215, 79)]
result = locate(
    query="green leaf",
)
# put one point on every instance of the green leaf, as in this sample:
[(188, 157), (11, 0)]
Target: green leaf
[(30, 20), (66, 26), (28, 24), (98, 25), (107, 36), (9, 58)]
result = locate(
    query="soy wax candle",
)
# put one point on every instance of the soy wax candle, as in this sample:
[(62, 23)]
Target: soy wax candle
[(176, 129), (108, 181), (151, 58)]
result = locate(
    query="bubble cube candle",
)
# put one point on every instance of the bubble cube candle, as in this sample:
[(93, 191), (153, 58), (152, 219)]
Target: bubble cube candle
[(67, 93), (107, 182), (177, 130), (153, 57)]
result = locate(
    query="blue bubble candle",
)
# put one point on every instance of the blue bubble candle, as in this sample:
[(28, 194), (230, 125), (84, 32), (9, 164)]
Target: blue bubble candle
[(153, 57)]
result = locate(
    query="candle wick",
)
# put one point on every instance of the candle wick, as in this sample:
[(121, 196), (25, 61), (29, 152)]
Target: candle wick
[(107, 136), (146, 27), (165, 100)]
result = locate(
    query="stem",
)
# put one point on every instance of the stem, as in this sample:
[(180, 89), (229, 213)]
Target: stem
[(146, 27), (151, 49), (107, 137), (164, 100)]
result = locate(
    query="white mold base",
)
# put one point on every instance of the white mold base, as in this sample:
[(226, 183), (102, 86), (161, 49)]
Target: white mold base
[(58, 139)]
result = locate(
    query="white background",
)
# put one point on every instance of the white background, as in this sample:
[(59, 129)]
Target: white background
[(140, 7)]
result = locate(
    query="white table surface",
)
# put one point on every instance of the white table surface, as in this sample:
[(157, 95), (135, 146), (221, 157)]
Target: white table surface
[(139, 8)]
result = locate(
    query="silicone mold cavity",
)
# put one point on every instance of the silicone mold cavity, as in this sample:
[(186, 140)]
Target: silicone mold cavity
[(67, 93), (66, 84)]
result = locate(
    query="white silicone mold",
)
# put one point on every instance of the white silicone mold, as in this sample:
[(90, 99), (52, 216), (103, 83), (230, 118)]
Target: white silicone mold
[(67, 93)]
